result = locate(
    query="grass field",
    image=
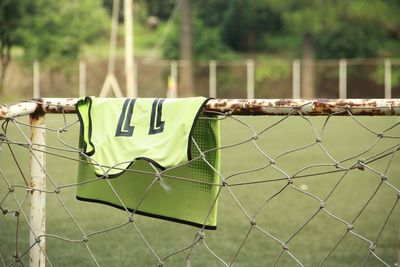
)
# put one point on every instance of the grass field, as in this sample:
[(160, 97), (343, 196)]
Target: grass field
[(281, 217)]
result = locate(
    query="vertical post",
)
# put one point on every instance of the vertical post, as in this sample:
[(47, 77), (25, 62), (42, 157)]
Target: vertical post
[(135, 78), (36, 79), (343, 79), (250, 79), (37, 182), (82, 78), (131, 90), (212, 78), (388, 79), (398, 251), (173, 80), (296, 79)]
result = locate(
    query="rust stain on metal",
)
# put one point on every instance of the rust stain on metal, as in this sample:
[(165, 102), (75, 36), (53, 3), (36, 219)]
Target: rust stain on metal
[(322, 108), (3, 111), (234, 106), (252, 109), (39, 112), (325, 107), (254, 102), (284, 102), (32, 186), (221, 104), (370, 112)]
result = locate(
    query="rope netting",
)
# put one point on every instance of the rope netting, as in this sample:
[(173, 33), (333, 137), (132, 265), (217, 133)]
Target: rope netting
[(293, 190)]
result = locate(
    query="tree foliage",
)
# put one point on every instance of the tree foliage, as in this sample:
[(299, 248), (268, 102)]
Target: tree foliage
[(342, 28), (51, 31), (11, 13), (207, 42), (338, 28), (56, 30)]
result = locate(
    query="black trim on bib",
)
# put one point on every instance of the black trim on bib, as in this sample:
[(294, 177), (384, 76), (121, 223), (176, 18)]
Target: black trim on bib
[(82, 125), (171, 219), (115, 175)]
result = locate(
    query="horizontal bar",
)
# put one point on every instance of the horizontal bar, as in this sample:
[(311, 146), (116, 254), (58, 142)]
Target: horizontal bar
[(370, 107)]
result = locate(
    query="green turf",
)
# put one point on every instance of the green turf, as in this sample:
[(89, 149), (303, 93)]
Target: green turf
[(281, 216)]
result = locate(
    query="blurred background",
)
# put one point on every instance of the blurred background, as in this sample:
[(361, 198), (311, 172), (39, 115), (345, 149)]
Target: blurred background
[(225, 49)]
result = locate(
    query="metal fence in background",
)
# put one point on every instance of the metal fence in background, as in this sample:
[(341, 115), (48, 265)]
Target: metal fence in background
[(268, 78)]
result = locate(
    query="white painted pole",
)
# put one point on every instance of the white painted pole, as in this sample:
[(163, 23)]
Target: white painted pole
[(388, 79), (212, 78), (173, 80), (296, 79), (135, 78), (36, 79), (82, 79), (398, 252), (250, 79), (343, 79), (131, 90), (37, 217), (174, 71)]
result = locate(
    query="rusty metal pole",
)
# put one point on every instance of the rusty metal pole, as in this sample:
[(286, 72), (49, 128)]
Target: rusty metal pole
[(37, 218)]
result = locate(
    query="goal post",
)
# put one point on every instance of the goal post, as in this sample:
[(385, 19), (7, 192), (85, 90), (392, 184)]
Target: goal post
[(36, 109), (37, 183), (318, 107)]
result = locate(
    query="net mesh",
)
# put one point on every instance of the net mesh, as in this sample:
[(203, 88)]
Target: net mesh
[(294, 190)]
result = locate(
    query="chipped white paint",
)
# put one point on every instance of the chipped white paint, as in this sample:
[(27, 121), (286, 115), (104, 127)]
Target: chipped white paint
[(366, 107), (37, 182)]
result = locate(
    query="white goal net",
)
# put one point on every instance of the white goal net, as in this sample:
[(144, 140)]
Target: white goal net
[(303, 183)]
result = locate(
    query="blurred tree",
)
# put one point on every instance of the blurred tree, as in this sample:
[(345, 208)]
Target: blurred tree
[(208, 43), (51, 31), (185, 49), (11, 13), (55, 30), (338, 28), (241, 23), (246, 21), (308, 19), (159, 9), (362, 30)]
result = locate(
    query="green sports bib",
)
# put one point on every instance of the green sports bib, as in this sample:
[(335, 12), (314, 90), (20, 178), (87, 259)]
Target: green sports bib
[(125, 139)]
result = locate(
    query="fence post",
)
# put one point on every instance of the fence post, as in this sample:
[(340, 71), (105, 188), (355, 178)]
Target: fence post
[(37, 183), (173, 80), (342, 79), (388, 79), (250, 79), (296, 79), (136, 78), (131, 90), (36, 79), (398, 252), (82, 78), (212, 78)]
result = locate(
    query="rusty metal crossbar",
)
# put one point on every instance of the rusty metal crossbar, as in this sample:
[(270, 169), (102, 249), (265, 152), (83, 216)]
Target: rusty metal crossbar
[(316, 107)]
